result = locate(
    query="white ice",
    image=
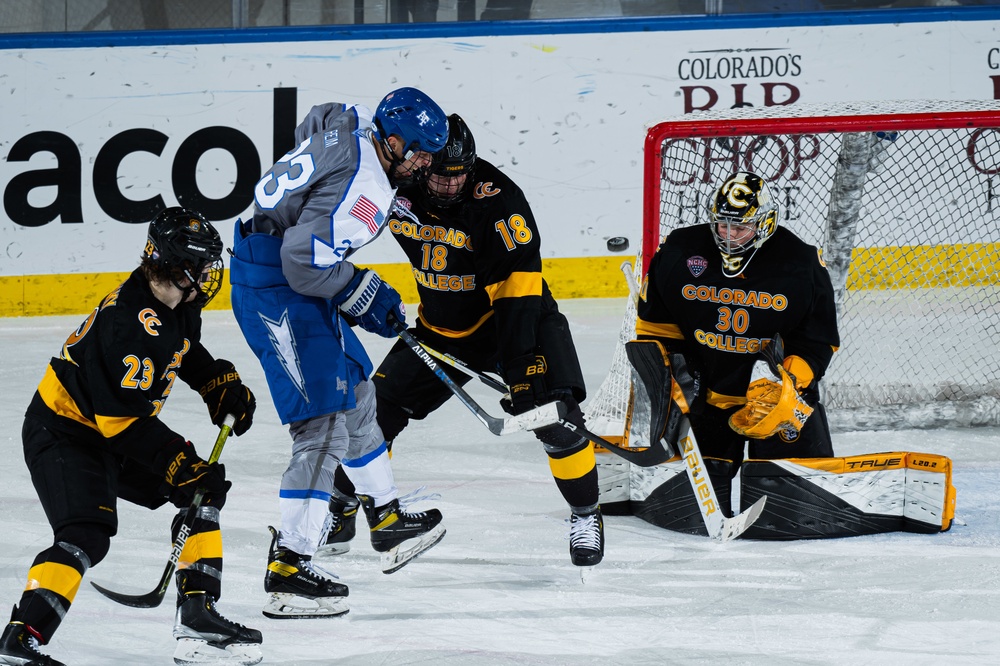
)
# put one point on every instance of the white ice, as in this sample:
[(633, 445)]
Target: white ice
[(499, 589)]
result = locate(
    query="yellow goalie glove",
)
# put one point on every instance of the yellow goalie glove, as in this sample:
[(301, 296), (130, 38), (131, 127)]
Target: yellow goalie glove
[(773, 403)]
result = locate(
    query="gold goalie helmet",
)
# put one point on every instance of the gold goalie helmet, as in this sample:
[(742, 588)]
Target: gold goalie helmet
[(742, 215)]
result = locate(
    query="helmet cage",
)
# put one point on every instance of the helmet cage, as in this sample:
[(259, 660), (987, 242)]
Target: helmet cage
[(742, 215)]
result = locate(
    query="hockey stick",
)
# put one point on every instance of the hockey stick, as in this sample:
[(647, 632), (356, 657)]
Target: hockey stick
[(153, 599), (641, 457), (719, 527), (539, 417)]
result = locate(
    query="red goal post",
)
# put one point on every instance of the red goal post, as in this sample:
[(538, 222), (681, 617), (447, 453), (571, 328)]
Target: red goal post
[(904, 199)]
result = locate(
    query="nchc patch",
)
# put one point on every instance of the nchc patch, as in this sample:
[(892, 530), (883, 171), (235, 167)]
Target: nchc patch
[(697, 265)]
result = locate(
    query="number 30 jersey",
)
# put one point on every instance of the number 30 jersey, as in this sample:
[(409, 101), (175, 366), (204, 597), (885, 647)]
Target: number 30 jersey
[(721, 323)]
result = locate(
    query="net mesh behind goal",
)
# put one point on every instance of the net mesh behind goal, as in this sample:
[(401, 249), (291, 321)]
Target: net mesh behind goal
[(904, 200)]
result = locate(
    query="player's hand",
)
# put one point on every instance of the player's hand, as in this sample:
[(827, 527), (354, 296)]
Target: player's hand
[(225, 393), (525, 377), (370, 301), (185, 471)]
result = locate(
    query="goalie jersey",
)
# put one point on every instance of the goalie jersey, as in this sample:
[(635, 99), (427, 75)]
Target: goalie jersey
[(478, 263), (720, 323)]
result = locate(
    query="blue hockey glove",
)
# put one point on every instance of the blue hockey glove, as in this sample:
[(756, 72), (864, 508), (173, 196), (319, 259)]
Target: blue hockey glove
[(368, 300)]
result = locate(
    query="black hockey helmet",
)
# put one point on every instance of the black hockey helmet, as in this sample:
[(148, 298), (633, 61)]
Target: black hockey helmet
[(742, 215), (458, 158), (183, 244)]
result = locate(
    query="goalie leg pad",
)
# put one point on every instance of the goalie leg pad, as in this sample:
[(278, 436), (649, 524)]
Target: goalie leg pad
[(655, 414), (613, 484), (838, 497), (662, 495)]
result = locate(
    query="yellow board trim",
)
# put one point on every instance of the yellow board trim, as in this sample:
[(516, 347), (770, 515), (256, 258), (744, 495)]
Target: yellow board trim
[(573, 466), (62, 579), (962, 265)]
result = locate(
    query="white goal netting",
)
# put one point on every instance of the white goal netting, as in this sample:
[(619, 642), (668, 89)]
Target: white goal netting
[(904, 199)]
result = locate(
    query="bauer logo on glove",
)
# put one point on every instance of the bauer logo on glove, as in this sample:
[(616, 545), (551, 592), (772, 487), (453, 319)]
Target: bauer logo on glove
[(773, 406)]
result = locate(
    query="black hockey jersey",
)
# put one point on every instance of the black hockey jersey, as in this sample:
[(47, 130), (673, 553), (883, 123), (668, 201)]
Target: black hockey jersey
[(720, 323), (478, 262), (115, 372)]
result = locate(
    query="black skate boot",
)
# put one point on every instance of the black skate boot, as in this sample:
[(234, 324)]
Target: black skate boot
[(298, 588), (586, 538), (343, 520), (398, 535), (18, 647), (205, 637)]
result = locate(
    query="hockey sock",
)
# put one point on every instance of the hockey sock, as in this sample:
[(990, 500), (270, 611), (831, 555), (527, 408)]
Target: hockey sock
[(575, 472), (200, 563), (343, 484), (372, 475), (53, 581)]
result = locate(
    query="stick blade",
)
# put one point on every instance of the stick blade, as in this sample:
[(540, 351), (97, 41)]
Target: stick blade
[(148, 600), (737, 525)]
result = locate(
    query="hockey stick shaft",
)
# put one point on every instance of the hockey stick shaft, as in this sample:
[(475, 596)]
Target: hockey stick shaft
[(153, 599), (643, 457), (539, 417)]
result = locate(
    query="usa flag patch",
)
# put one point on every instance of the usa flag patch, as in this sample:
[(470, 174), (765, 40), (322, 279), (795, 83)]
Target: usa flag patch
[(366, 211), (697, 265)]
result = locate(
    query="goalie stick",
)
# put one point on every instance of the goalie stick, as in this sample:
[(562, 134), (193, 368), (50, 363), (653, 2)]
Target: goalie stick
[(647, 457), (539, 417), (153, 599)]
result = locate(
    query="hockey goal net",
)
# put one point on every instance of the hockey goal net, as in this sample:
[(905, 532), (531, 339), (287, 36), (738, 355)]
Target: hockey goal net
[(904, 200)]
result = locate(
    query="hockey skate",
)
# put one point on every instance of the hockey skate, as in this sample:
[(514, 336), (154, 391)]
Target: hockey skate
[(205, 637), (400, 536), (586, 538), (343, 520), (19, 648), (298, 588)]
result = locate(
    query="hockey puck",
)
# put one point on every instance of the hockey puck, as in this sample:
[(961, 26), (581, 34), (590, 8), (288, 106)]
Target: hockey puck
[(617, 244)]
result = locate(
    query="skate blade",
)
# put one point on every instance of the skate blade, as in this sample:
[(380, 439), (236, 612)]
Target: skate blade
[(399, 556), (192, 651), (285, 606), (332, 549)]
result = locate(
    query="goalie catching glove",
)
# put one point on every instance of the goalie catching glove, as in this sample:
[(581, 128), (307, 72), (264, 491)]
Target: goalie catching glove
[(773, 403), (369, 301)]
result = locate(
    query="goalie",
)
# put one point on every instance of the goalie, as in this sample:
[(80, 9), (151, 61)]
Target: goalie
[(755, 334)]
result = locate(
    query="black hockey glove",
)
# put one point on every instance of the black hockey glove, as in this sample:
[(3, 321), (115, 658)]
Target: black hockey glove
[(185, 472), (225, 393), (368, 301), (525, 377)]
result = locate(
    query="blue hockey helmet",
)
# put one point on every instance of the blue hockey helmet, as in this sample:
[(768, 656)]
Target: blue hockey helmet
[(414, 117)]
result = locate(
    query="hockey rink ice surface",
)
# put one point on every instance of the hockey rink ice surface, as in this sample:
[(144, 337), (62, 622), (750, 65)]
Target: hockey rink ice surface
[(499, 589)]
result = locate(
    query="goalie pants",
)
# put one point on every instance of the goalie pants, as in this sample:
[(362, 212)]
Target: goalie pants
[(79, 483)]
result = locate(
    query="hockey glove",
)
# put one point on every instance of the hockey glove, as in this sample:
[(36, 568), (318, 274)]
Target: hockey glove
[(185, 472), (368, 301), (525, 377), (224, 393), (773, 403)]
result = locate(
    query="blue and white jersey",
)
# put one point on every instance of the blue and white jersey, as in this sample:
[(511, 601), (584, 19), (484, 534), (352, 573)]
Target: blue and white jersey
[(324, 199)]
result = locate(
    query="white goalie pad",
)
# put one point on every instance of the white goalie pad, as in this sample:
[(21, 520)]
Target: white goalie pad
[(836, 497)]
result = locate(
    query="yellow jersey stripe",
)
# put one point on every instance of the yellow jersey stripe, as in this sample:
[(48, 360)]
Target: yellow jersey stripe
[(515, 286), (672, 331)]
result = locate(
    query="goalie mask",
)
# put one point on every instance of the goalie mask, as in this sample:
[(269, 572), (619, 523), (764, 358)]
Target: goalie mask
[(419, 122), (183, 248), (742, 214), (452, 177)]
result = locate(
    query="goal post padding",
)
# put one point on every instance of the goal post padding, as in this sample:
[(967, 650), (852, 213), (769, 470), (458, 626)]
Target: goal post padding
[(904, 200)]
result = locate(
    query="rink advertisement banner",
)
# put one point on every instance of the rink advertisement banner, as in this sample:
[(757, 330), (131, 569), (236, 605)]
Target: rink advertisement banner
[(97, 138)]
